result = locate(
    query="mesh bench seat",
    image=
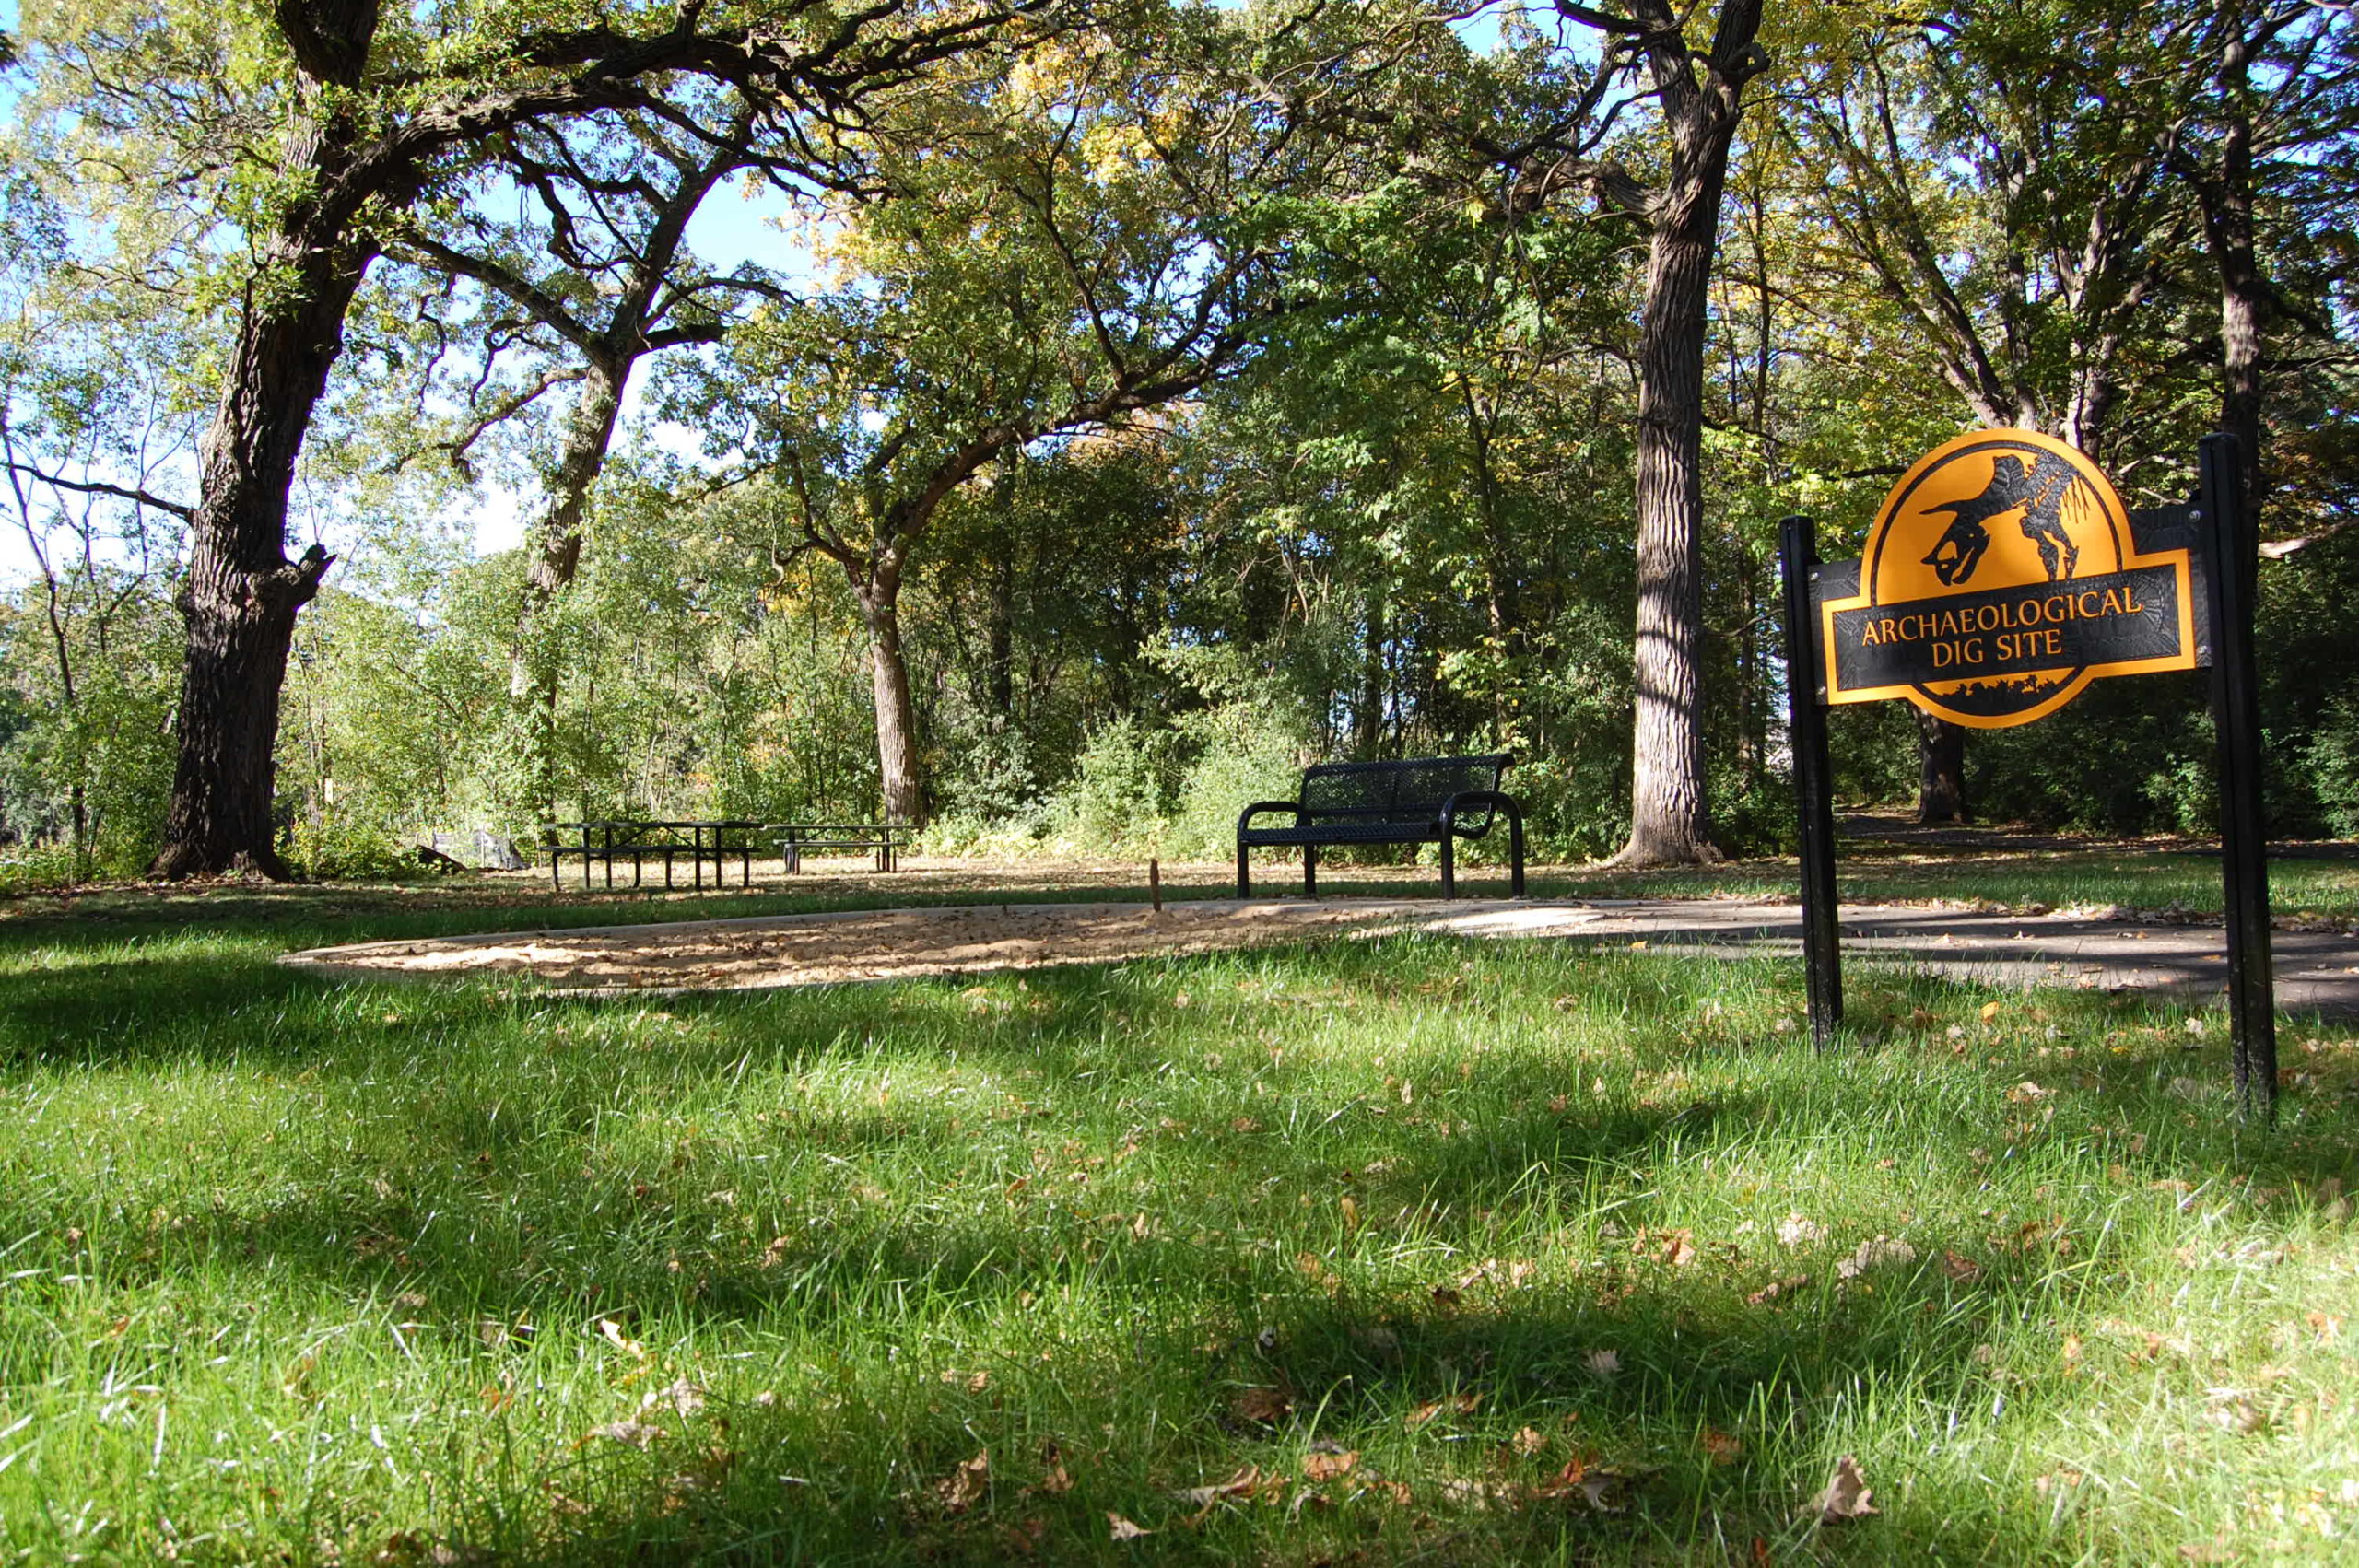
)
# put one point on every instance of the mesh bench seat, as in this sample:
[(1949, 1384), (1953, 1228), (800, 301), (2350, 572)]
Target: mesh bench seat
[(1424, 800)]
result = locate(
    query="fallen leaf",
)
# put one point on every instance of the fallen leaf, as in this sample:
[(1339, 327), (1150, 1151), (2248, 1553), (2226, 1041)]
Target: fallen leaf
[(1777, 1288), (1681, 1252), (1605, 1363), (1848, 1495), (2028, 1093), (620, 1340), (1964, 1270), (637, 1433), (1351, 1208), (1794, 1231), (1247, 1482), (1327, 1467), (682, 1396), (1873, 1253), (1989, 1011), (1454, 1404), (964, 1487), (1125, 1530), (1721, 1448), (1264, 1407), (1479, 1495), (2232, 1411), (1529, 1442)]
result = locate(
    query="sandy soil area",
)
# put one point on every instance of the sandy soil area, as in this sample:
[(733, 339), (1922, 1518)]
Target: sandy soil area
[(803, 949)]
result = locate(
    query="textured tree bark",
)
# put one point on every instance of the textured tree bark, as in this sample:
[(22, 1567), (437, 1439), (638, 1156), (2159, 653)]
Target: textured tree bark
[(242, 592), (902, 783), (1941, 789), (2227, 202), (1670, 821)]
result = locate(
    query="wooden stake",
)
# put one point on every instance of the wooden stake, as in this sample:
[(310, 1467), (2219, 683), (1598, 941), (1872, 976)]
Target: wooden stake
[(1154, 883)]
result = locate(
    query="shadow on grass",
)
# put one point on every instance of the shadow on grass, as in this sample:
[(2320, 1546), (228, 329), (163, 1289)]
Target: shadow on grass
[(531, 1226)]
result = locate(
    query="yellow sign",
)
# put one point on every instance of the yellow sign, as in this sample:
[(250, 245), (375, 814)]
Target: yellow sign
[(2000, 580)]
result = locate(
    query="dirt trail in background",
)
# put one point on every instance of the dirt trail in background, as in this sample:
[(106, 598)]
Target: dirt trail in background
[(2317, 971)]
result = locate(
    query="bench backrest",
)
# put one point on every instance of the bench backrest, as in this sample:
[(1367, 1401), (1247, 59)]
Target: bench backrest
[(1399, 792)]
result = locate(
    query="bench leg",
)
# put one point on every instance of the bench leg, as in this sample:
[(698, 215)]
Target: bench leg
[(1244, 874), (1449, 870), (1310, 871), (1515, 849)]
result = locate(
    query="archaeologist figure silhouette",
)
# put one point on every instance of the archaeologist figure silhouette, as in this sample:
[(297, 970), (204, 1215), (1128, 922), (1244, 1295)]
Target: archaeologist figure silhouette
[(2037, 492)]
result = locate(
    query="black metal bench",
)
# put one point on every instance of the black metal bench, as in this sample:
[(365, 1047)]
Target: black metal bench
[(886, 840), (603, 842), (1425, 801)]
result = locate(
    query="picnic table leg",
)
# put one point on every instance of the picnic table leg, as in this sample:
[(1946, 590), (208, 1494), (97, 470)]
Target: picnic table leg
[(635, 853), (1310, 871), (696, 854), (667, 868)]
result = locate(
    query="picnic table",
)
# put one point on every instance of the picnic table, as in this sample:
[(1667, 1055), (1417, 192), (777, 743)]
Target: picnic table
[(886, 840), (602, 841)]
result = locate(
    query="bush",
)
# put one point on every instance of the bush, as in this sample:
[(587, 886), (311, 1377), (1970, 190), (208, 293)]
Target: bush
[(344, 850)]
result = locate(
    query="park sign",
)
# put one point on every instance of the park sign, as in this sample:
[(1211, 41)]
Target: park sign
[(2001, 577)]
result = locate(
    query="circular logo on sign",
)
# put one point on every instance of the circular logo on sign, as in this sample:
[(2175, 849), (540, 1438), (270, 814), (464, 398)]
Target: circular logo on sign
[(1997, 511)]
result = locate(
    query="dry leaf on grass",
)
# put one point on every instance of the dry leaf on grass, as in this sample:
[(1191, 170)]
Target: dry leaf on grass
[(964, 1487), (1480, 1495), (1721, 1448), (1529, 1442), (1327, 1467), (1681, 1250), (1795, 1231), (1263, 1406), (1847, 1494), (1454, 1404), (1875, 1254), (621, 1341), (1964, 1270), (1604, 1364), (1777, 1288), (682, 1396), (1247, 1484), (1124, 1529), (637, 1433)]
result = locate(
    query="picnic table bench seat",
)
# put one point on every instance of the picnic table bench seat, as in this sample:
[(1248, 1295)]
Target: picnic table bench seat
[(1420, 801), (886, 840)]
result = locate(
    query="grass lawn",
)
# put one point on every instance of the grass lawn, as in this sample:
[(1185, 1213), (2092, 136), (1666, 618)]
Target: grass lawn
[(1414, 1250)]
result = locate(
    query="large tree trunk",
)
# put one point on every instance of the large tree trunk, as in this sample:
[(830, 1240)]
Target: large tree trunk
[(1941, 790), (242, 592), (538, 662), (2227, 200), (903, 785), (1670, 822)]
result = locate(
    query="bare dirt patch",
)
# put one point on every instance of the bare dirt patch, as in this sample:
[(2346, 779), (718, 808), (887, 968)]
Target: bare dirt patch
[(887, 945)]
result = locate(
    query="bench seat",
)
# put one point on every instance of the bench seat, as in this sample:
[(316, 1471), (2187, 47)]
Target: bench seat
[(1421, 800)]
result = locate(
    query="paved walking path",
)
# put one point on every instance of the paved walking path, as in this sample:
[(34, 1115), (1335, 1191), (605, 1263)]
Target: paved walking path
[(2317, 971)]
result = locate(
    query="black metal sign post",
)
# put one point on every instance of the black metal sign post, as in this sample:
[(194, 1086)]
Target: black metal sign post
[(2244, 845), (1813, 785)]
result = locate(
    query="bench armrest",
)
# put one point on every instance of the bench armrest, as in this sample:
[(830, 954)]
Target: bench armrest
[(1466, 800), (1245, 818)]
